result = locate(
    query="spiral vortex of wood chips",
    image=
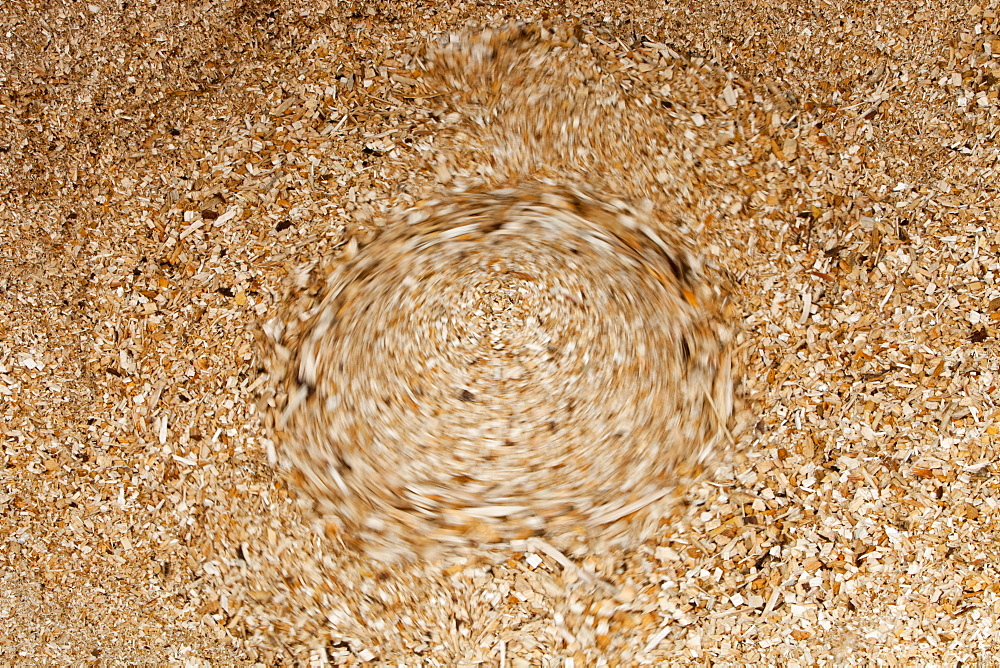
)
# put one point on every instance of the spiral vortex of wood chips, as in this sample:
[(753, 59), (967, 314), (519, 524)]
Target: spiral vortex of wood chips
[(500, 365)]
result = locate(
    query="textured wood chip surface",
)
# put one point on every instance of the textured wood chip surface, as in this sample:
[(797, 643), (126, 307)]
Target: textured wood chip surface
[(175, 175), (504, 364)]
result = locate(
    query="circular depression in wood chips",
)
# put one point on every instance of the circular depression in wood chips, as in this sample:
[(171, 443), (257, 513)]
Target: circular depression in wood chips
[(502, 365)]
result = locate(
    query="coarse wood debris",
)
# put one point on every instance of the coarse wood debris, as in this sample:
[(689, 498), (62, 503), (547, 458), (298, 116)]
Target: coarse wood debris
[(175, 174)]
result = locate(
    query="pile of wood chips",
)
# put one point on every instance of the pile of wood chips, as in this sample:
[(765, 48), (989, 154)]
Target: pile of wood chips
[(173, 175)]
